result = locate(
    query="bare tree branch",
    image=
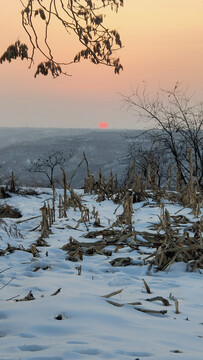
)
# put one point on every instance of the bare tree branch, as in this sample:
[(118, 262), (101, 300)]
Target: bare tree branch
[(47, 164), (80, 17), (178, 126)]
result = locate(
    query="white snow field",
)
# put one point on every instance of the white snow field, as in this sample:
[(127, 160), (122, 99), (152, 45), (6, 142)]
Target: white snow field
[(79, 322)]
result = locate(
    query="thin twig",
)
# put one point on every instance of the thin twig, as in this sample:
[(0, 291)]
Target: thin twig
[(13, 297), (5, 269), (7, 283)]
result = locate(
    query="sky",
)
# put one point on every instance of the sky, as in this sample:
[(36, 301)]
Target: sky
[(163, 44)]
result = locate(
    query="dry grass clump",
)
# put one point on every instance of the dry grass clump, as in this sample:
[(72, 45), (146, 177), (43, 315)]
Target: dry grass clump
[(6, 211)]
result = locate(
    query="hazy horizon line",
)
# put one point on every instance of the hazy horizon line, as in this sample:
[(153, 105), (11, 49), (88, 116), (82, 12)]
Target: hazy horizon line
[(70, 128)]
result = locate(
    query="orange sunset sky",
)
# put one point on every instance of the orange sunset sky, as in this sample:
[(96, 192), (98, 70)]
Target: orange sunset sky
[(163, 44)]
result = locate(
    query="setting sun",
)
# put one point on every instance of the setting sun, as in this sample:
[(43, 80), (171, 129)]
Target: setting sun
[(103, 125)]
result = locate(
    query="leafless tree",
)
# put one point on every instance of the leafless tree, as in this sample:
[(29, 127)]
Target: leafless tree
[(146, 159), (84, 18), (48, 163), (178, 126)]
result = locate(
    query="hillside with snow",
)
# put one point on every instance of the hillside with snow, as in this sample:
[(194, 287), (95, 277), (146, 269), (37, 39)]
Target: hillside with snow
[(19, 147), (86, 284)]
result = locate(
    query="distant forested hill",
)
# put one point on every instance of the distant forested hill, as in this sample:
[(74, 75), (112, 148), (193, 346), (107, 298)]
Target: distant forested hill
[(20, 146)]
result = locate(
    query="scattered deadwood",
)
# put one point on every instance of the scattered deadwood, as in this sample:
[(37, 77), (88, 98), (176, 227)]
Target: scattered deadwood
[(175, 246), (148, 290), (79, 269), (114, 303), (41, 242), (73, 258), (12, 298), (169, 253), (137, 303), (29, 297), (74, 201), (134, 303), (10, 267), (41, 268), (195, 265), (77, 249), (171, 240), (6, 283), (35, 228), (167, 247), (149, 311), (112, 294), (121, 261), (72, 227), (32, 218), (177, 311), (56, 292), (160, 298), (104, 233), (10, 249), (114, 237), (103, 188), (33, 250), (180, 219), (126, 217), (48, 215)]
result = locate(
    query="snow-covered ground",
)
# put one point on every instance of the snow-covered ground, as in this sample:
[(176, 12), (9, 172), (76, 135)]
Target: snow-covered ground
[(79, 322)]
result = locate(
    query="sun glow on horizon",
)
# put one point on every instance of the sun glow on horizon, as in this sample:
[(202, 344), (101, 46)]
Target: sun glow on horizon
[(103, 125)]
